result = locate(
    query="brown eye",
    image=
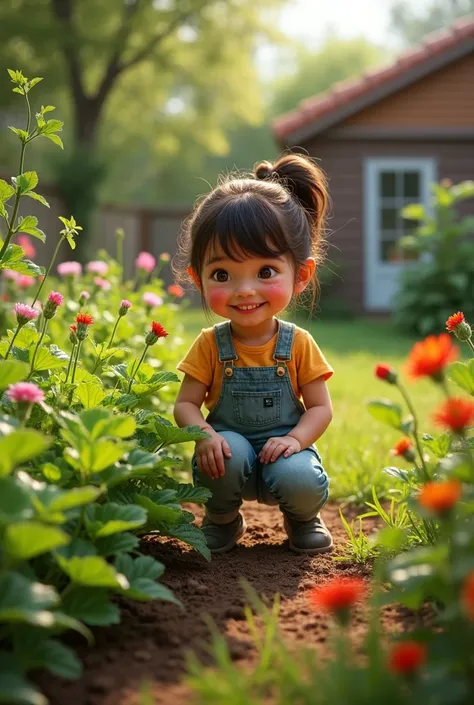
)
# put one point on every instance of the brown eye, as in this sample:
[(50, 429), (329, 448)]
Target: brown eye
[(220, 275), (266, 272)]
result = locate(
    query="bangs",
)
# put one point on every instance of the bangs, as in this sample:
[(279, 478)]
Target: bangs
[(248, 226)]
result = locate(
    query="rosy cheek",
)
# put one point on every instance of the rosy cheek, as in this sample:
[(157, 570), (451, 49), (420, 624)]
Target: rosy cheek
[(277, 291), (216, 298)]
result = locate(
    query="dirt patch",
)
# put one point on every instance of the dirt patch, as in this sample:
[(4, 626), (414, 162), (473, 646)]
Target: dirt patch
[(148, 644)]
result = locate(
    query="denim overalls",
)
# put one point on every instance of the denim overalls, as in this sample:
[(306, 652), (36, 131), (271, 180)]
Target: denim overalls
[(255, 404)]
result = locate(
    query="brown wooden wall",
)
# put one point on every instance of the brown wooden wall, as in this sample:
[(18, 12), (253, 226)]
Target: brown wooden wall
[(343, 162), (444, 98)]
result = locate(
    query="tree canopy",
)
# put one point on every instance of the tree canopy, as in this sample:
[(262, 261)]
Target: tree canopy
[(412, 22)]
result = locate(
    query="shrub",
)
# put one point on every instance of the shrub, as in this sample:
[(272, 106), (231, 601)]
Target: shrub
[(442, 278)]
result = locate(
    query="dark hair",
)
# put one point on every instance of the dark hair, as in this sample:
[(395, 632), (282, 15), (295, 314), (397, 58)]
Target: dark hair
[(278, 209)]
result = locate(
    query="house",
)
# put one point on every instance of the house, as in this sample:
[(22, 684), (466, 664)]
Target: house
[(382, 140)]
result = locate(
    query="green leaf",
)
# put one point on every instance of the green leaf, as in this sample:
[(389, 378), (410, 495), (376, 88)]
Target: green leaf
[(36, 651), (90, 395), (171, 434), (26, 182), (57, 140), (22, 600), (159, 512), (60, 501), (142, 574), (117, 543), (92, 606), (191, 535), (462, 374), (28, 225), (52, 126), (92, 571), (415, 211), (15, 502), (386, 411), (189, 493), (111, 518), (439, 446), (37, 197), (45, 360), (14, 689), (6, 191), (12, 371), (20, 446), (101, 454), (27, 539)]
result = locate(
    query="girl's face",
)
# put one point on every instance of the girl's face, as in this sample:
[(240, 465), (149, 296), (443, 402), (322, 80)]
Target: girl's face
[(253, 290)]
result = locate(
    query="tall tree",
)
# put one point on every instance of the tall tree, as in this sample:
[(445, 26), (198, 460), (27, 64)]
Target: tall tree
[(412, 23), (144, 72)]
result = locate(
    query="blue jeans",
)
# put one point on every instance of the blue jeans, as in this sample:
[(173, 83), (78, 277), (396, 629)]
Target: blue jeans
[(298, 484)]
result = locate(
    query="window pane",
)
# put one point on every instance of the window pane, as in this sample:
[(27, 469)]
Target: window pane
[(411, 184), (387, 184), (388, 218), (409, 226)]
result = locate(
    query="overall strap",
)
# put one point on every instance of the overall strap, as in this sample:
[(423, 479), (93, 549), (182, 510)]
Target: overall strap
[(225, 346), (286, 334)]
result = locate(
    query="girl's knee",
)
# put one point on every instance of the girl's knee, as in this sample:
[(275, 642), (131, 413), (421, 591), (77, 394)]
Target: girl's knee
[(297, 477)]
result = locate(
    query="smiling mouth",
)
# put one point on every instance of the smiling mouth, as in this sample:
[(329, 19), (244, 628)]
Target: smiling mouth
[(248, 307)]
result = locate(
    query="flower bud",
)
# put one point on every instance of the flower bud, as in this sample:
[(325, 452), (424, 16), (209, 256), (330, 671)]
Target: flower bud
[(54, 301), (124, 306), (385, 372), (73, 334), (458, 325)]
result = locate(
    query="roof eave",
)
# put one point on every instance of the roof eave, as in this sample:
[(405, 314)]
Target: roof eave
[(377, 93)]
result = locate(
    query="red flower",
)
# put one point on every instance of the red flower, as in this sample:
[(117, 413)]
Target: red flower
[(85, 318), (403, 447), (467, 596), (385, 372), (176, 290), (73, 328), (158, 330), (440, 497), (455, 414), (429, 357), (406, 657), (454, 320), (338, 595)]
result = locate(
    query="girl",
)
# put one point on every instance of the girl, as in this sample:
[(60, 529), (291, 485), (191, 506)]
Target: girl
[(250, 245)]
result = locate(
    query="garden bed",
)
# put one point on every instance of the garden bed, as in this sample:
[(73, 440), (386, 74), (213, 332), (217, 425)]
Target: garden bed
[(149, 644)]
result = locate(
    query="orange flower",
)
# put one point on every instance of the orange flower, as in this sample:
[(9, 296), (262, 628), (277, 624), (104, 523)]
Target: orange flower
[(176, 290), (406, 657), (467, 596), (338, 595), (455, 414), (85, 318), (440, 497), (454, 320), (158, 330), (404, 447), (429, 357)]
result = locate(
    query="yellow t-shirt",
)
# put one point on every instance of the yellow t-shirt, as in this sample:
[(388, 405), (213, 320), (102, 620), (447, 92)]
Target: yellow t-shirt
[(202, 361)]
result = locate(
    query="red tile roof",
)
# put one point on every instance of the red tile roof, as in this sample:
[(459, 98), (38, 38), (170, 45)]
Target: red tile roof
[(312, 109)]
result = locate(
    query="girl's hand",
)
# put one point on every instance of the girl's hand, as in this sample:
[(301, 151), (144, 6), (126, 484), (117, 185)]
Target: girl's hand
[(278, 445), (210, 454)]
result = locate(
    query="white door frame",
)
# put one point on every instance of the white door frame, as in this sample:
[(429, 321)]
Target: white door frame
[(374, 269)]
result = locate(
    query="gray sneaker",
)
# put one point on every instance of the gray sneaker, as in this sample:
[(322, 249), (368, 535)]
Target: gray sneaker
[(222, 537), (308, 536)]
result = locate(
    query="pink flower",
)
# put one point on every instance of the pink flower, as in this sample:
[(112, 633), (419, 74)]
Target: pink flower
[(151, 299), (102, 284), (25, 242), (70, 269), (24, 281), (56, 298), (25, 313), (10, 274), (98, 267), (125, 305), (85, 296), (165, 257), (145, 261), (25, 392)]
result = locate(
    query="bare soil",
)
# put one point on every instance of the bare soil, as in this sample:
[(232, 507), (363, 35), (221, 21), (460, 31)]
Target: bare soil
[(148, 645)]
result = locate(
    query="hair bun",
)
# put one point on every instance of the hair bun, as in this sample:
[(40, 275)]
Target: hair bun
[(264, 170)]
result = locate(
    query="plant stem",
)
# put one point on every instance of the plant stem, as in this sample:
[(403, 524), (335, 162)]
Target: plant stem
[(69, 363), (49, 269), (471, 345), (113, 333), (13, 340), (11, 224), (75, 361), (37, 346), (411, 408), (136, 370)]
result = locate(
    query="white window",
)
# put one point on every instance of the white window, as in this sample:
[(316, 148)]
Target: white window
[(389, 185)]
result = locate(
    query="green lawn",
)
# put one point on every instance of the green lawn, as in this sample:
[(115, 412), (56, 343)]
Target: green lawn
[(355, 448)]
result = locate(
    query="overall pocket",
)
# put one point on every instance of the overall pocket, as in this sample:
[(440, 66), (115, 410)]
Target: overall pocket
[(257, 408)]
